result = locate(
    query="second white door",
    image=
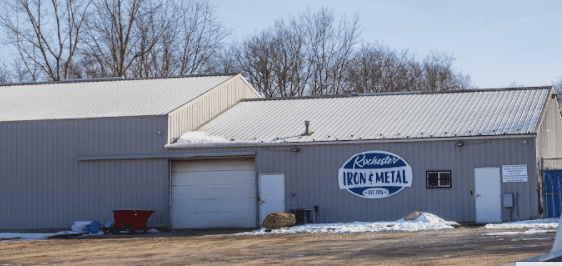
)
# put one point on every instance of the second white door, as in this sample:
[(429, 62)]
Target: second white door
[(272, 194), (488, 195)]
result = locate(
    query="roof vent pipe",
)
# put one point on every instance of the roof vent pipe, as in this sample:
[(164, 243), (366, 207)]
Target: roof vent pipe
[(307, 132)]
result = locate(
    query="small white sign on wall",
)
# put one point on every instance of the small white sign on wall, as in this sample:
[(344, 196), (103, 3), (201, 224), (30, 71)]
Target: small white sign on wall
[(514, 173)]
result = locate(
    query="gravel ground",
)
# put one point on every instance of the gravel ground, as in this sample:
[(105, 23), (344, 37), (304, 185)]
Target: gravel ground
[(459, 246)]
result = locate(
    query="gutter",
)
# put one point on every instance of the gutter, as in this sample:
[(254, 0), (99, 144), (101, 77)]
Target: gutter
[(343, 142), (173, 156)]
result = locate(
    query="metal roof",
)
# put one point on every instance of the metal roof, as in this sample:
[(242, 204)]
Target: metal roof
[(94, 99), (390, 116)]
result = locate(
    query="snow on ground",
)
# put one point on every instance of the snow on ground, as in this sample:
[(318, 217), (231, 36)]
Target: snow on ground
[(539, 223), (426, 221), (31, 236), (40, 236), (528, 232), (25, 236), (200, 137)]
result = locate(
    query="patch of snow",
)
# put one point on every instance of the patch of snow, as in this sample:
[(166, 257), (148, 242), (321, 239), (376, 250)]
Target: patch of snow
[(99, 233), (502, 233), (540, 238), (539, 223), (200, 137), (25, 236), (37, 236), (528, 232), (533, 231), (426, 221)]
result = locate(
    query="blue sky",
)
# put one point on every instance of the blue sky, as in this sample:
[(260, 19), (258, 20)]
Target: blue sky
[(495, 42)]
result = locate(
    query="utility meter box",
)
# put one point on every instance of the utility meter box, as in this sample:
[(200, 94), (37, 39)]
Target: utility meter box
[(508, 200)]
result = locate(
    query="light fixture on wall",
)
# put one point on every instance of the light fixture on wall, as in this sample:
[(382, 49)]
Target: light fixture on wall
[(460, 143), (295, 149)]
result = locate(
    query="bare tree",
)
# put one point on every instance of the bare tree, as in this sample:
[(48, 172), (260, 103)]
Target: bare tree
[(225, 60), (439, 74), (330, 48), (121, 31), (275, 60), (514, 84), (306, 55), (256, 62), (149, 38), (5, 75), (200, 37), (377, 68), (158, 60), (45, 34), (557, 86)]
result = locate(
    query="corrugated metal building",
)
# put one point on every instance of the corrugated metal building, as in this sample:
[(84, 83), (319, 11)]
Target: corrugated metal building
[(77, 151), (465, 150), (46, 129)]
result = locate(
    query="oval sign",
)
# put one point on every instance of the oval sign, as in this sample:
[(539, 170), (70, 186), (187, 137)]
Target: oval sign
[(375, 174)]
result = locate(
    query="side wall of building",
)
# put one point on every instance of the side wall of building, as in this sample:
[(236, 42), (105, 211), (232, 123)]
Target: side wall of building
[(311, 177), (194, 114), (44, 185), (549, 135)]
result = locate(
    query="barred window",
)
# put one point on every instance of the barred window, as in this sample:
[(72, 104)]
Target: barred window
[(438, 179)]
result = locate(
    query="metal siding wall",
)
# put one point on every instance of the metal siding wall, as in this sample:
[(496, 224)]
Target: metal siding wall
[(548, 142), (311, 175), (313, 178), (549, 136), (44, 186), (206, 107), (124, 185)]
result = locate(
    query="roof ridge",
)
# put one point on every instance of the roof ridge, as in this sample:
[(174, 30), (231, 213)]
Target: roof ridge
[(394, 94), (107, 79)]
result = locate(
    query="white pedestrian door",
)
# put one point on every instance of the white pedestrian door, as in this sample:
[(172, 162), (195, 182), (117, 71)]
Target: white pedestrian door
[(272, 194), (488, 195)]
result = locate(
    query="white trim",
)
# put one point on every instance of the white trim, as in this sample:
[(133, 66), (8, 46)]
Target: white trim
[(371, 141), (171, 156)]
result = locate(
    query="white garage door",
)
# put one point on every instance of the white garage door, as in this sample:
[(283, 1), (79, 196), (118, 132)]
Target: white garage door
[(214, 194)]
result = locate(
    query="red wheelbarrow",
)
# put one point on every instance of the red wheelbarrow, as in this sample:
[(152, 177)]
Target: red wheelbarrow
[(130, 220)]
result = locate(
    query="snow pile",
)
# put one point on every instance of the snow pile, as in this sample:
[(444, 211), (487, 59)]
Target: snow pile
[(426, 221), (200, 137), (427, 217), (540, 223)]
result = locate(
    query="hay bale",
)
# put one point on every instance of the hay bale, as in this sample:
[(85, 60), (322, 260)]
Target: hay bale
[(279, 220), (412, 215)]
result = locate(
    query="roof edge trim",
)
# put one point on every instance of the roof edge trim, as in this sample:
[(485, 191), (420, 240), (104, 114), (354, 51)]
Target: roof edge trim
[(165, 156), (543, 109), (85, 118), (109, 79), (394, 94), (253, 144)]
